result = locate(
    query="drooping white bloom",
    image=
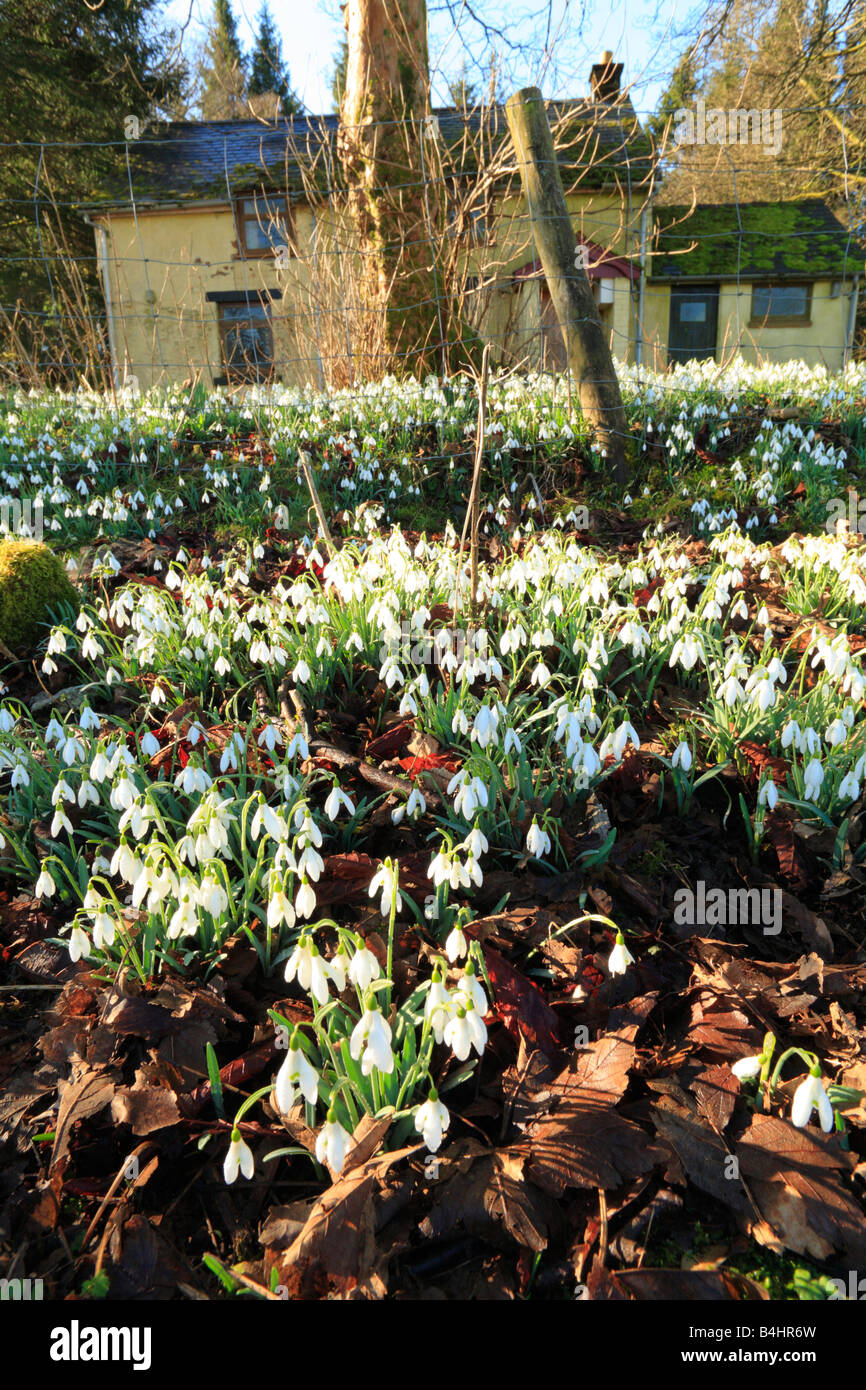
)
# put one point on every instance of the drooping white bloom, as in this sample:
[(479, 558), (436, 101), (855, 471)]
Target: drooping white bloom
[(455, 945), (813, 778), (747, 1067), (810, 1095), (238, 1159), (537, 840), (620, 957), (296, 1073), (45, 885), (371, 1042), (438, 1006), (79, 944), (682, 757), (332, 1143), (363, 969), (337, 798), (431, 1121), (386, 878)]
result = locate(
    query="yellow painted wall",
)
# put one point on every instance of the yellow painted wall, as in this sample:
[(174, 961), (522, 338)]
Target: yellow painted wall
[(821, 342), (162, 268)]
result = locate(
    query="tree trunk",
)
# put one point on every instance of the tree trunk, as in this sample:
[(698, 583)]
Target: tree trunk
[(588, 352), (382, 127)]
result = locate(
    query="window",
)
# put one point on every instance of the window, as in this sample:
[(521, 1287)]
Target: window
[(264, 226), (780, 305), (246, 337)]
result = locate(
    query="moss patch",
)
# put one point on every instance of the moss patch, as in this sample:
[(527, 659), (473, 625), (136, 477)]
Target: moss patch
[(33, 583)]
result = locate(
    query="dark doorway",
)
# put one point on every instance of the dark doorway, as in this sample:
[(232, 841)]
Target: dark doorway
[(694, 322)]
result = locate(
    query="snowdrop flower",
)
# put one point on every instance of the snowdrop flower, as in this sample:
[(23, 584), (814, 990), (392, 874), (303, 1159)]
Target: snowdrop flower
[(298, 747), (45, 885), (810, 1095), (511, 743), (471, 988), (537, 840), (620, 957), (338, 969), (386, 878), (296, 1072), (238, 1159), (747, 1068), (149, 744), (193, 778), (849, 788), (332, 1143), (280, 909), (307, 964), (363, 969), (305, 901), (372, 1037), (465, 1031), (456, 946), (682, 757), (540, 675), (337, 798), (624, 734), (836, 734), (812, 780), (432, 1120), (79, 944), (438, 1007), (768, 794)]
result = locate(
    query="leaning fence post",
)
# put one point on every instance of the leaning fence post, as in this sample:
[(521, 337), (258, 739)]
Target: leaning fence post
[(588, 352)]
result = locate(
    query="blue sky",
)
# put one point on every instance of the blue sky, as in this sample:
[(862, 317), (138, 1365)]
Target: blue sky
[(644, 34)]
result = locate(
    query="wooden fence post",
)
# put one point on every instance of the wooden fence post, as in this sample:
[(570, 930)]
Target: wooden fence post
[(588, 352)]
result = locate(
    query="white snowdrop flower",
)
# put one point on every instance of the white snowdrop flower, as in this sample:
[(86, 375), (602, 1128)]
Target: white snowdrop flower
[(337, 798), (540, 675), (768, 794), (836, 733), (270, 737), (280, 909), (620, 957), (747, 1068), (813, 779), (298, 1073), (363, 969), (79, 944), (465, 1031), (432, 1120), (45, 885), (682, 757), (438, 1005), (149, 744), (810, 1095), (88, 719), (791, 734), (511, 743), (849, 788), (456, 946), (338, 969), (298, 747), (239, 1159), (460, 723), (371, 1043), (470, 987), (305, 900), (332, 1143), (537, 840)]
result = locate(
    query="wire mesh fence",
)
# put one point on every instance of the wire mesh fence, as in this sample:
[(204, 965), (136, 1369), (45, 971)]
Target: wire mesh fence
[(243, 252)]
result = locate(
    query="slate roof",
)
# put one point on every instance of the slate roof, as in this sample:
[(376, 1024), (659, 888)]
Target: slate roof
[(752, 241), (600, 143)]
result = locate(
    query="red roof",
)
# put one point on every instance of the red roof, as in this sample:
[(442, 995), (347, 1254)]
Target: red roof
[(602, 265)]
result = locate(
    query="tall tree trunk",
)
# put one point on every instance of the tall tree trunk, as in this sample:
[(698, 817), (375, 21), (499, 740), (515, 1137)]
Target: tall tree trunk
[(382, 127)]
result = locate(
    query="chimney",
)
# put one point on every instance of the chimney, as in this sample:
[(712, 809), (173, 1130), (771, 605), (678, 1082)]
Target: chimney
[(604, 78)]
